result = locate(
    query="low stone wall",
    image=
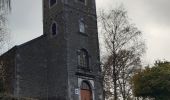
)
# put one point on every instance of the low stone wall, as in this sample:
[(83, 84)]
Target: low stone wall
[(10, 97)]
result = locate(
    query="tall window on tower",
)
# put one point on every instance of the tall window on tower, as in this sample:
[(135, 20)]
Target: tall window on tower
[(83, 59), (52, 2), (54, 28), (81, 25)]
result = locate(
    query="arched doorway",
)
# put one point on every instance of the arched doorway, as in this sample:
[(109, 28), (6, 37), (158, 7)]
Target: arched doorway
[(86, 91)]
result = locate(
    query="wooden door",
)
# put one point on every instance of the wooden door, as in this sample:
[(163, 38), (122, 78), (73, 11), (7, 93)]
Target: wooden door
[(86, 95), (86, 92)]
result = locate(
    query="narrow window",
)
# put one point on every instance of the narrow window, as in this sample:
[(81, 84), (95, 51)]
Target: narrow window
[(54, 29), (81, 26), (83, 59), (52, 2)]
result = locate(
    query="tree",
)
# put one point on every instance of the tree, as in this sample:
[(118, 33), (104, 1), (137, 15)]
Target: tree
[(124, 48), (5, 7), (153, 82)]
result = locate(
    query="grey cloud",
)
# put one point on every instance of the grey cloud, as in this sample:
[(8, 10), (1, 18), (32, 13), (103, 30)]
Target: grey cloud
[(151, 16), (25, 20), (159, 10)]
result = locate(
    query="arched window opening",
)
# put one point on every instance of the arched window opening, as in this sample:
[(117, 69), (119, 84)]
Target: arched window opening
[(85, 86), (52, 2), (83, 59), (81, 25), (54, 29)]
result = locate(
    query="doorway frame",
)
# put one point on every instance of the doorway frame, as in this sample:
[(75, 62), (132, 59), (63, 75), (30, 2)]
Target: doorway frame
[(91, 83)]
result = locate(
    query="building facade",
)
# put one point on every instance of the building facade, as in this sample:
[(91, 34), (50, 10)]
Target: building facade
[(63, 63)]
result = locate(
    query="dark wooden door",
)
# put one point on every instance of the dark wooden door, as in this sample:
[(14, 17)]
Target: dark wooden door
[(86, 95), (86, 92)]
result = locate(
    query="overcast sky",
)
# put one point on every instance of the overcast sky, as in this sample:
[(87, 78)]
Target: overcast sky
[(152, 17)]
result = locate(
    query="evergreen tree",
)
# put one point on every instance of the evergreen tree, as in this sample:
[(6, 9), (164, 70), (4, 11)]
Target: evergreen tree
[(153, 82)]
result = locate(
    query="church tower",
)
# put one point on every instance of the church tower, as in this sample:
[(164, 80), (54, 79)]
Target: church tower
[(74, 71)]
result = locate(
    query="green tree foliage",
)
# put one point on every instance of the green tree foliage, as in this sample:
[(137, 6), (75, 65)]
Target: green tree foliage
[(153, 82)]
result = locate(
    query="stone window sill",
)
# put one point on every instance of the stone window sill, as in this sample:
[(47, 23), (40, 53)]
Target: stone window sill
[(84, 34)]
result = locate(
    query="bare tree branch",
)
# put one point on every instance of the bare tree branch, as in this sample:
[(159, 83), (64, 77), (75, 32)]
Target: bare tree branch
[(124, 47), (5, 8)]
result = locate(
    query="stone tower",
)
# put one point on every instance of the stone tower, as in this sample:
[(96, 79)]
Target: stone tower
[(74, 72), (63, 63)]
